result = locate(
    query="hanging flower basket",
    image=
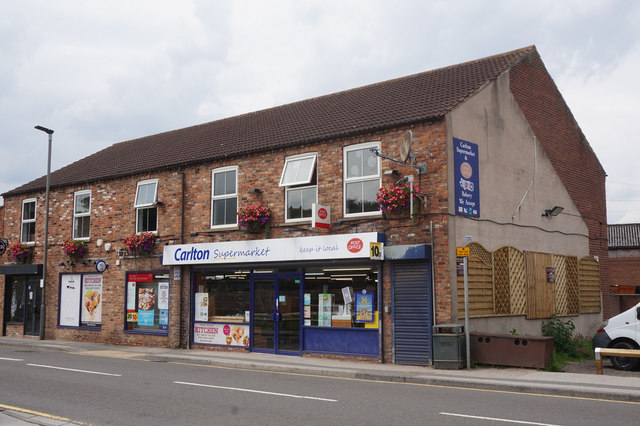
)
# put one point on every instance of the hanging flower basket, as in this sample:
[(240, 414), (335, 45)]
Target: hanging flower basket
[(255, 218), (140, 244), (21, 253), (74, 249), (396, 200)]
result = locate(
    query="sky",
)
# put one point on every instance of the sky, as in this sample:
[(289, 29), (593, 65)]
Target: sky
[(102, 72)]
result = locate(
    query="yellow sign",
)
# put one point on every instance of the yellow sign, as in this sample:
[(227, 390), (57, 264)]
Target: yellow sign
[(132, 317), (463, 251), (376, 251)]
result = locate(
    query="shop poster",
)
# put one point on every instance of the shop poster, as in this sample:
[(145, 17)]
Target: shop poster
[(221, 334), (69, 300), (466, 178), (364, 307), (91, 314), (202, 307), (163, 322)]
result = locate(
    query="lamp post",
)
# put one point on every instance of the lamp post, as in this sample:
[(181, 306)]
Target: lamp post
[(46, 234)]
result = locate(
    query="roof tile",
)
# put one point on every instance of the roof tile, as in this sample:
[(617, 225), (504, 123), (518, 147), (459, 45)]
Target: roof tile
[(415, 98)]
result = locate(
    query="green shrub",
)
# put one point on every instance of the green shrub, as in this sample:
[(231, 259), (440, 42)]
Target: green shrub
[(562, 333)]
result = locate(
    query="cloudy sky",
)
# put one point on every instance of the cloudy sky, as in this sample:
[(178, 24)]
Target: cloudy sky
[(101, 72)]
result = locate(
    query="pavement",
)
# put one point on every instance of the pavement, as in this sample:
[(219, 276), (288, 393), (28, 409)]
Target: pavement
[(520, 380)]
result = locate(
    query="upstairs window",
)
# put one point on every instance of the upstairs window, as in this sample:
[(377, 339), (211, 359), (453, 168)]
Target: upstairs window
[(146, 206), (224, 197), (28, 225), (81, 215), (361, 179), (299, 177)]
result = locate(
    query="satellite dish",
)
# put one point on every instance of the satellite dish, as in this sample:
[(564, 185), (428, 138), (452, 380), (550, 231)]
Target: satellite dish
[(405, 147)]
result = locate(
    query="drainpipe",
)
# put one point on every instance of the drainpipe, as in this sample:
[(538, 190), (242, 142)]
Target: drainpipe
[(181, 172)]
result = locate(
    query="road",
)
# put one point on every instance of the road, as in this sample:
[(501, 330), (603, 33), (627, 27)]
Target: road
[(112, 389)]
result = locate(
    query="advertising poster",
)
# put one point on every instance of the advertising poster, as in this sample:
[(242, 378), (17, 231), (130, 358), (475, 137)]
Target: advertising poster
[(202, 307), (146, 317), (163, 322), (91, 315), (324, 309), (131, 296), (163, 295), (466, 178), (69, 300), (364, 307), (221, 334)]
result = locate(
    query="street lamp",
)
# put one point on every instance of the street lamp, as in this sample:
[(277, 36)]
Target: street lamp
[(46, 234)]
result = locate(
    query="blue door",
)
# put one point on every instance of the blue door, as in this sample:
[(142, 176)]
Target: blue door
[(275, 313)]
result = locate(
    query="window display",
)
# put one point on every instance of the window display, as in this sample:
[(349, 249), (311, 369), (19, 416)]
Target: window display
[(222, 308), (329, 296), (80, 300), (147, 303)]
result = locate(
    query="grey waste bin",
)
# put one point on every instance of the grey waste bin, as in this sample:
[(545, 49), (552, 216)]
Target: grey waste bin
[(449, 348)]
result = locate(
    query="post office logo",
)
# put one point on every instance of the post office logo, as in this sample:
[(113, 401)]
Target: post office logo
[(355, 245)]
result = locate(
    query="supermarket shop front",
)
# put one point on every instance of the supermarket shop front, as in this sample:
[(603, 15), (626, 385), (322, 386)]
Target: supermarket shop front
[(287, 296)]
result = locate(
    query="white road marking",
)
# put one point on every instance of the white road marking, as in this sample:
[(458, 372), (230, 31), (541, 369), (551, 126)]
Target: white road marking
[(494, 419), (10, 359), (75, 370), (257, 391)]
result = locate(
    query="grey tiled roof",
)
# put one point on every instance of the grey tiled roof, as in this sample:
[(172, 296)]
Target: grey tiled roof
[(624, 236), (415, 98)]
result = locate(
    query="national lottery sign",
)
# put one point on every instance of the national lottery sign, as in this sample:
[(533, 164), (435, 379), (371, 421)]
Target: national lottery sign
[(344, 246)]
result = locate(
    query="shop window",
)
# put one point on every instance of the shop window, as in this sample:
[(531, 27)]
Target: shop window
[(222, 306), (299, 177), (81, 215), (81, 300), (361, 179), (341, 297), (224, 197), (15, 299), (147, 303), (28, 228), (146, 206)]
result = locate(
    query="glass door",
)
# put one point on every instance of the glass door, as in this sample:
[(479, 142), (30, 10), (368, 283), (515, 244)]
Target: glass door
[(32, 307), (276, 313)]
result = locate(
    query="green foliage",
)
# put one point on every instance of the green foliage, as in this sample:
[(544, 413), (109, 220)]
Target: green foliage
[(562, 333), (567, 347), (513, 332)]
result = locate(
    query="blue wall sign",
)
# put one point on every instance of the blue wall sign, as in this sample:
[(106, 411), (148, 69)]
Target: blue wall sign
[(466, 178)]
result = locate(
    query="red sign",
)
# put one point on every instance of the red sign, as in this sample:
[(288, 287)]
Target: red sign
[(322, 213), (141, 278), (226, 329), (355, 245)]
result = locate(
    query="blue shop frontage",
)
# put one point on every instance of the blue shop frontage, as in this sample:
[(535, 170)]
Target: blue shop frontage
[(294, 296)]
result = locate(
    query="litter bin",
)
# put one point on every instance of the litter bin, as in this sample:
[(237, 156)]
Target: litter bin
[(449, 347)]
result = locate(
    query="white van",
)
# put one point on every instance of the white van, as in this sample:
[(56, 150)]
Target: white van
[(622, 332)]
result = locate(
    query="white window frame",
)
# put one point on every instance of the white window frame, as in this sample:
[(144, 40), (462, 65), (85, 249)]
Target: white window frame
[(371, 177), (301, 183), (23, 221), (77, 215), (148, 205), (233, 225), (294, 161)]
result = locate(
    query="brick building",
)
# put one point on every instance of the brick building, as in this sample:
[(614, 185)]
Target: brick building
[(486, 154), (624, 261)]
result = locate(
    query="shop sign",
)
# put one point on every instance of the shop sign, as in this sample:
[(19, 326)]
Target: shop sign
[(3, 245), (321, 217), (343, 246), (221, 334), (466, 178)]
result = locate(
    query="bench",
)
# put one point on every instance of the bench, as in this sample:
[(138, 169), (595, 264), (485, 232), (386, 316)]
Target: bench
[(600, 352)]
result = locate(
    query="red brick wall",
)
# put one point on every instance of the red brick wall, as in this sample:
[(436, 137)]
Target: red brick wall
[(113, 219), (624, 271), (569, 151)]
